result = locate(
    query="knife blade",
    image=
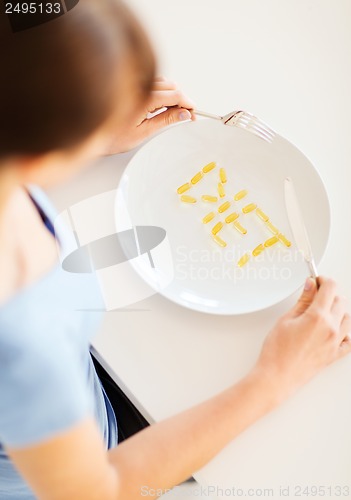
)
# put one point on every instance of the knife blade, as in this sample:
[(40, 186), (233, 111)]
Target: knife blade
[(298, 227)]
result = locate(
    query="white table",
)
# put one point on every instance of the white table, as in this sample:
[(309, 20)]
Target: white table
[(289, 63)]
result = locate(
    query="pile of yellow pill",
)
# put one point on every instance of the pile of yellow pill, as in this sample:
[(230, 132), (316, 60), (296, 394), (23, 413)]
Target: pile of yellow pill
[(240, 228), (224, 207), (208, 217), (195, 179), (219, 240), (284, 240), (278, 236), (184, 188), (272, 228), (240, 195), (220, 189), (209, 198), (233, 218), (217, 227), (244, 260), (258, 250), (207, 168), (187, 199), (249, 208), (222, 175), (262, 215), (271, 241)]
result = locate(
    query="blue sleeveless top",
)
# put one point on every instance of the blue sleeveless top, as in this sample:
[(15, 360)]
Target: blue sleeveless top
[(48, 382)]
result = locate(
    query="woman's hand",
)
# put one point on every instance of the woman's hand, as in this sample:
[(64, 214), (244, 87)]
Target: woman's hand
[(177, 108), (315, 333), (74, 464)]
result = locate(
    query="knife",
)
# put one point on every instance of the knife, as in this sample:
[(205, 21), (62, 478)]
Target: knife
[(298, 227)]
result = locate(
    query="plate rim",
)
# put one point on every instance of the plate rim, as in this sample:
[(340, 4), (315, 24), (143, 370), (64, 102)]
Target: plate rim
[(219, 312)]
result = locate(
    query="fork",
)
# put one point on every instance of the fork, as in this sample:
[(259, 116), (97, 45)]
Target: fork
[(243, 120)]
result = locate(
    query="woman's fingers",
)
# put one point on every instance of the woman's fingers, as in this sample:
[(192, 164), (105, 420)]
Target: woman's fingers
[(168, 117), (326, 294), (160, 78), (166, 105), (346, 327), (168, 98), (345, 332), (306, 297), (164, 85), (338, 310)]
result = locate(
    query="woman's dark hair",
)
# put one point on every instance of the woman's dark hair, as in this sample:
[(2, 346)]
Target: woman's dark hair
[(59, 81)]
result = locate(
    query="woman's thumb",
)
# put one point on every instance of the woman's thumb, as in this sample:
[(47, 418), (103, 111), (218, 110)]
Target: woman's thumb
[(168, 117), (306, 298)]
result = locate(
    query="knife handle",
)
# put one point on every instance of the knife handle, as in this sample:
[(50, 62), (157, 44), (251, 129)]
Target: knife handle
[(314, 272)]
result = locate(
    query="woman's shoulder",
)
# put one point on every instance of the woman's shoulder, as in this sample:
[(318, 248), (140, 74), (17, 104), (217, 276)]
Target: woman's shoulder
[(27, 251)]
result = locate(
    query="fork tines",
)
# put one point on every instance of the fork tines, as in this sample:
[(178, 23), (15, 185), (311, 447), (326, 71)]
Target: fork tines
[(251, 123)]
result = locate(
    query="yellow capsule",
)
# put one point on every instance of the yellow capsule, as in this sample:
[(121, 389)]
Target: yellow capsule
[(187, 199), (232, 217), (240, 195), (210, 166), (258, 250), (240, 228), (272, 228), (262, 215), (217, 227), (208, 217), (184, 188), (209, 198), (223, 175), (197, 178), (249, 208), (224, 207), (221, 190), (219, 241), (284, 240), (244, 260), (272, 241)]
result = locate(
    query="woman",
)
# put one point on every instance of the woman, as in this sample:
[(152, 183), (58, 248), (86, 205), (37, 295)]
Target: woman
[(73, 88)]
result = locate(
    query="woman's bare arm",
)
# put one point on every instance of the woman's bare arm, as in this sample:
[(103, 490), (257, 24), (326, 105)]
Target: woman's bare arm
[(75, 465)]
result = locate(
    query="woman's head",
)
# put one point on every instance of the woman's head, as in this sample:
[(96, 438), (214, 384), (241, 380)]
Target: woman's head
[(63, 80)]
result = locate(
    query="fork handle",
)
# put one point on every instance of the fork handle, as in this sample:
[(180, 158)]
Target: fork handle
[(207, 115)]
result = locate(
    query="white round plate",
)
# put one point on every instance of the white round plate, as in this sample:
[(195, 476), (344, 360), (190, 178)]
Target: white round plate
[(206, 277)]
